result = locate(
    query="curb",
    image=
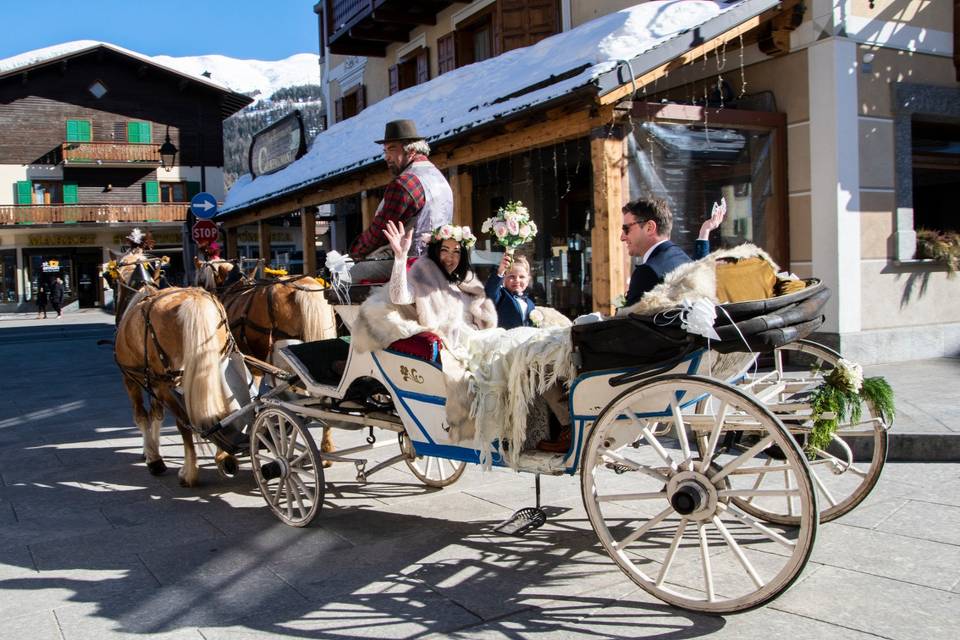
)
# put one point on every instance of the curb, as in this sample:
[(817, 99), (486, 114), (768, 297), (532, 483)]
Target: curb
[(924, 447)]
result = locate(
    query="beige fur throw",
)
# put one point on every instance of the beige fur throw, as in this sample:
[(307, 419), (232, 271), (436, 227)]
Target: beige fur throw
[(692, 280)]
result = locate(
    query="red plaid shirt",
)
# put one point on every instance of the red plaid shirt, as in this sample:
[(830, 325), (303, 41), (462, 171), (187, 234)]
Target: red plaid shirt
[(402, 199)]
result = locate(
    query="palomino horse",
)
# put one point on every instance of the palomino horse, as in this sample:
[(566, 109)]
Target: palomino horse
[(263, 312), (170, 341)]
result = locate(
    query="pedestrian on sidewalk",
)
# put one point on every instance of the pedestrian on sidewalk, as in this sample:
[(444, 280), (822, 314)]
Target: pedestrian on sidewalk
[(42, 301), (56, 296)]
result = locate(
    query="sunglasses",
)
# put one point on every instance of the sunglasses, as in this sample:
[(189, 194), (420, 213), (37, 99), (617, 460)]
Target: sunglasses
[(626, 227)]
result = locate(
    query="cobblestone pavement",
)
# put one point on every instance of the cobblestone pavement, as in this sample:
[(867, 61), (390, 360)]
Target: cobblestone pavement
[(92, 546)]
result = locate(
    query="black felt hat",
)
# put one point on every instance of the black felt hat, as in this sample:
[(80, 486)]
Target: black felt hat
[(400, 131)]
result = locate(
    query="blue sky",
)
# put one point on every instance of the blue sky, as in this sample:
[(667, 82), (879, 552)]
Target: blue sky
[(253, 29)]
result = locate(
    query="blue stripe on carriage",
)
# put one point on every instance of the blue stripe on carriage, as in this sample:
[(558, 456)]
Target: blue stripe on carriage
[(403, 396), (452, 452)]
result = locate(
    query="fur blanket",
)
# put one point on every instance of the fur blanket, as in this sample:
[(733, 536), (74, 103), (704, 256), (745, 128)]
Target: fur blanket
[(693, 280)]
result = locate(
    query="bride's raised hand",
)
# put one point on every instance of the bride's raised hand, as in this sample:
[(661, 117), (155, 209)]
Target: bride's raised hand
[(399, 241)]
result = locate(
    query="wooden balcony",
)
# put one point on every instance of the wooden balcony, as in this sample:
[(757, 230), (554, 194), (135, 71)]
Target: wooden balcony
[(110, 154), (25, 214), (366, 27)]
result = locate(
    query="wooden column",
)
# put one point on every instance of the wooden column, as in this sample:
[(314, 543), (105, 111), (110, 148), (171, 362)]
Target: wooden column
[(609, 166), (368, 207), (462, 185), (233, 243), (308, 226), (263, 234)]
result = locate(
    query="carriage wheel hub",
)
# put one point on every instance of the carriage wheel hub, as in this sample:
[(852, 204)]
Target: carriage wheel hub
[(692, 494)]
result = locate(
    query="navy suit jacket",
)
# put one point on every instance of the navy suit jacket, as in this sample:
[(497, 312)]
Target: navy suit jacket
[(508, 309), (664, 259)]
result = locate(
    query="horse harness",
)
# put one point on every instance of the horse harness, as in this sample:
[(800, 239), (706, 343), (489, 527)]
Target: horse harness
[(273, 332)]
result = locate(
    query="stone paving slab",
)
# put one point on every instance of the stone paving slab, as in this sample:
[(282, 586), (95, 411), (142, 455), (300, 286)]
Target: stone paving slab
[(32, 626), (922, 520)]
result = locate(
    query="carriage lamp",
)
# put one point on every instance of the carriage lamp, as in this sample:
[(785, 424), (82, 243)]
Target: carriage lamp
[(168, 153)]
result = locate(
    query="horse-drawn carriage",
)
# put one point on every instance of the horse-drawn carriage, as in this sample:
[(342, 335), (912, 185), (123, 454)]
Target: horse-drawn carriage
[(695, 468)]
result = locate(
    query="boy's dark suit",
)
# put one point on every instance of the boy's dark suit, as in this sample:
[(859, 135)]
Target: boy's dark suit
[(508, 307)]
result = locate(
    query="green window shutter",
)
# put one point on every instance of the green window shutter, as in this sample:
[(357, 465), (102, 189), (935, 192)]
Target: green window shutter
[(71, 193), (151, 191), (193, 188), (24, 192), (133, 132), (78, 131), (146, 135)]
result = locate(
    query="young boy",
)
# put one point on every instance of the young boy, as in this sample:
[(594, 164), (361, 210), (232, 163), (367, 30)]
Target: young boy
[(505, 287)]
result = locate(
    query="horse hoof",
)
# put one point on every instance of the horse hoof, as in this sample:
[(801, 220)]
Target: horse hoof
[(157, 467), (187, 484)]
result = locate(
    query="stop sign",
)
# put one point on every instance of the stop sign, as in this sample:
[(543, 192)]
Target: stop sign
[(204, 231)]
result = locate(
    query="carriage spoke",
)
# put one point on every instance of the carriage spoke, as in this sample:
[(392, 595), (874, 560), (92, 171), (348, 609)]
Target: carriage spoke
[(788, 482), (295, 492), (652, 522), (303, 488), (823, 489), (634, 466), (672, 552), (766, 493), (625, 497), (714, 438), (705, 558), (652, 439), (289, 501), (269, 445), (737, 551), (751, 522), (739, 460), (680, 428), (275, 499)]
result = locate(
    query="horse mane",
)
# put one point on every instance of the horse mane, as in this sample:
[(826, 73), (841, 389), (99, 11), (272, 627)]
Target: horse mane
[(316, 313), (203, 392)]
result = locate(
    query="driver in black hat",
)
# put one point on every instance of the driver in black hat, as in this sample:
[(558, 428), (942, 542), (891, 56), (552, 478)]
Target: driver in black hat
[(419, 195)]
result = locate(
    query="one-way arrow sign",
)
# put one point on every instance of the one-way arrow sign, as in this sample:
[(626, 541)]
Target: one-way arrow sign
[(203, 205)]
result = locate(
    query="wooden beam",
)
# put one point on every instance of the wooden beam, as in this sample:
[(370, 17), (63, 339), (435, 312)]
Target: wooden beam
[(461, 183), (696, 53), (377, 35), (368, 207), (403, 17), (609, 169), (263, 235), (233, 244), (308, 228), (573, 125)]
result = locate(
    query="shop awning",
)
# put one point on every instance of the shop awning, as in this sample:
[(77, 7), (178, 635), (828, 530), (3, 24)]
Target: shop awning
[(598, 60)]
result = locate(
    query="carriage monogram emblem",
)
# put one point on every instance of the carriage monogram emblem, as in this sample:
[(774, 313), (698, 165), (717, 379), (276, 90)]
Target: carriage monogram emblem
[(411, 374)]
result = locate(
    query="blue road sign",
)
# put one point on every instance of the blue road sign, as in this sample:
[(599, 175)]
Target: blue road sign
[(203, 205)]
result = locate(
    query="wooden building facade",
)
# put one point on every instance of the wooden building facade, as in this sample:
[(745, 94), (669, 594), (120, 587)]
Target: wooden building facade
[(82, 126)]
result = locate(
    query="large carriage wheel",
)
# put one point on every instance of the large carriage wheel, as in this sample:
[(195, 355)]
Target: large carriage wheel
[(287, 466), (431, 471), (848, 470), (665, 509)]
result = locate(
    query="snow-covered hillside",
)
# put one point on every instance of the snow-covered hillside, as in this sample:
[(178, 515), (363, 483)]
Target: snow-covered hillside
[(259, 79), (277, 86)]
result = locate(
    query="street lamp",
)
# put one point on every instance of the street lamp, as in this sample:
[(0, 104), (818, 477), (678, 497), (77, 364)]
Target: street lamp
[(168, 153)]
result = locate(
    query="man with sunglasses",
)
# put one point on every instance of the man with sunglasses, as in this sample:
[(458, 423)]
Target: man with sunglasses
[(646, 233)]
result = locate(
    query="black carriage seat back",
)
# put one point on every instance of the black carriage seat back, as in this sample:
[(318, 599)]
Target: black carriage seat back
[(317, 362)]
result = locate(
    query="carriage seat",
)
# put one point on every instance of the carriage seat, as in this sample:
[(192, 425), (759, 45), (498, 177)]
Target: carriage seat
[(425, 346)]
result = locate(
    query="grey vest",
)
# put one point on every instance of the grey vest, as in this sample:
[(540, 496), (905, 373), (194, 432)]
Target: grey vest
[(437, 207)]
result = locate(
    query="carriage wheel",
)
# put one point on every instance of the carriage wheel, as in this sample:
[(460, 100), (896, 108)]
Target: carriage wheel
[(431, 471), (287, 466), (850, 467), (665, 509)]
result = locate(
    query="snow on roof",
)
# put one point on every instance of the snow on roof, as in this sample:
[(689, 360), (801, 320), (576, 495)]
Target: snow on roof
[(479, 93), (56, 52)]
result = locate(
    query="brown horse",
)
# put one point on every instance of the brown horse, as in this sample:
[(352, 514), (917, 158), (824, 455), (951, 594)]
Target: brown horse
[(267, 310), (169, 342)]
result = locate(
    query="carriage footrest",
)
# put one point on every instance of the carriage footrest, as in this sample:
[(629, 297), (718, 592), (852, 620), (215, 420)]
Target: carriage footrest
[(522, 521), (228, 438)]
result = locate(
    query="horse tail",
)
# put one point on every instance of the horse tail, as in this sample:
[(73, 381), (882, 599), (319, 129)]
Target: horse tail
[(319, 321), (200, 317)]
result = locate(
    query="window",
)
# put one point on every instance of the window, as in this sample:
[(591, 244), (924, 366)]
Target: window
[(139, 132), (474, 38), (8, 275), (178, 191), (46, 192), (936, 175), (98, 89), (411, 70), (352, 103), (78, 131)]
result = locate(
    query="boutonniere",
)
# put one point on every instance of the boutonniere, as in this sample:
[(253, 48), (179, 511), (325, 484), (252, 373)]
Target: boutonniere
[(536, 318)]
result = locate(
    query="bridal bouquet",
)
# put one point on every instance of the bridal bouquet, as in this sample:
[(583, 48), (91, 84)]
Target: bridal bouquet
[(511, 226)]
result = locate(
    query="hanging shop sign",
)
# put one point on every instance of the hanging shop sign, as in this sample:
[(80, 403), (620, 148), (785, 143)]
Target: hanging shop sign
[(278, 145), (66, 240)]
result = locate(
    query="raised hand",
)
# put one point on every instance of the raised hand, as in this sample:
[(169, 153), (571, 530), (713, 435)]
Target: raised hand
[(717, 215), (399, 241), (505, 263)]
